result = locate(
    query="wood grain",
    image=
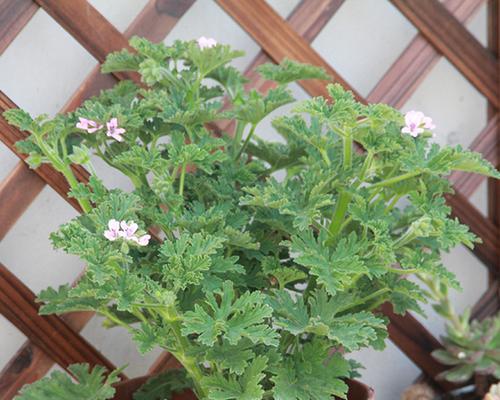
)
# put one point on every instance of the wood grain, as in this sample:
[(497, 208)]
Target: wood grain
[(455, 42), (416, 61), (49, 333), (14, 15), (17, 192)]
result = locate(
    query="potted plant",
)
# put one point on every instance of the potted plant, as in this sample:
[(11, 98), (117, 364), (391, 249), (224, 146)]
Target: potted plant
[(269, 260)]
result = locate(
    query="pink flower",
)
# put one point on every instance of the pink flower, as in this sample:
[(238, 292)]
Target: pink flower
[(141, 241), (113, 232), (125, 230), (113, 130), (128, 229), (206, 43), (88, 125), (416, 122)]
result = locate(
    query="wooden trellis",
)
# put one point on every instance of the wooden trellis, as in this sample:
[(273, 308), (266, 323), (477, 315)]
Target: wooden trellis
[(441, 33)]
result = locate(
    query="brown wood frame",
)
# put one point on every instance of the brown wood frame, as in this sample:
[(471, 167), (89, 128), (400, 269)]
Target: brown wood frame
[(441, 33)]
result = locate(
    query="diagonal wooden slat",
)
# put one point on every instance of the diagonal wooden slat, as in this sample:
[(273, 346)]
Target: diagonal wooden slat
[(49, 333), (155, 21), (487, 143), (17, 192), (279, 40), (455, 42), (14, 15), (494, 47), (416, 61)]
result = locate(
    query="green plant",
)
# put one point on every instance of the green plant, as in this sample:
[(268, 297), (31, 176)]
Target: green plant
[(259, 286)]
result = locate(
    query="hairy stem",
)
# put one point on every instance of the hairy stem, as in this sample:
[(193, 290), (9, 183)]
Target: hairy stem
[(345, 197), (247, 140), (181, 181), (394, 180), (181, 351)]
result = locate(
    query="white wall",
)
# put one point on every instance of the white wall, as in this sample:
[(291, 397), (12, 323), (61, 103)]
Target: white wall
[(44, 65)]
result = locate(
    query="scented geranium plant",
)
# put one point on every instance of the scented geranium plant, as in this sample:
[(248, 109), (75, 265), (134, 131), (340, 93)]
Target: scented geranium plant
[(259, 265)]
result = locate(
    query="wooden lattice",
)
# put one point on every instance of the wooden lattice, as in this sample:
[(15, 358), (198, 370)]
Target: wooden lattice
[(441, 33)]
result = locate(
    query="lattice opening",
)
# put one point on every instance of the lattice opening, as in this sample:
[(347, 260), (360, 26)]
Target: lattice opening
[(37, 264), (371, 46), (35, 59), (12, 339), (116, 345)]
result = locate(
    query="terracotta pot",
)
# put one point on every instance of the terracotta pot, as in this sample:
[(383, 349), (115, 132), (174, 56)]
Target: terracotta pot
[(126, 389)]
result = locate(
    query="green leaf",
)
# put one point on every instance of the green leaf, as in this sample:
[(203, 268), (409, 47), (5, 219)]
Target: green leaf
[(209, 59), (91, 385), (282, 273), (62, 301), (246, 387), (233, 358), (232, 319), (119, 61), (289, 71), (310, 375), (19, 118), (186, 259), (334, 269)]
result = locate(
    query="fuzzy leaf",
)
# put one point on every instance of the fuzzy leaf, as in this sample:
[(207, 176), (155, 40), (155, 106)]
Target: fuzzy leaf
[(92, 385)]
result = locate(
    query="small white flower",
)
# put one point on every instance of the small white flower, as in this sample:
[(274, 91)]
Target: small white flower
[(416, 122), (206, 43)]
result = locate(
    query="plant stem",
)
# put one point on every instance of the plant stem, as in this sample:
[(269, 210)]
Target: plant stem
[(339, 213), (395, 179), (181, 352), (247, 140), (240, 126), (73, 183), (345, 197), (365, 299), (181, 182), (401, 271), (347, 160), (366, 166)]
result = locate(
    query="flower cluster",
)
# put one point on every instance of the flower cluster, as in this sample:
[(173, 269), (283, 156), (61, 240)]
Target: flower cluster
[(416, 123), (125, 230), (112, 129)]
